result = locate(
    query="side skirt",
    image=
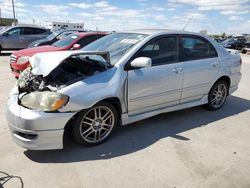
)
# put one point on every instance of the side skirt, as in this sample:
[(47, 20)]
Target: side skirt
[(131, 119)]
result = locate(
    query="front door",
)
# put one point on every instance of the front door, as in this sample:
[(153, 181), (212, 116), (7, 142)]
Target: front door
[(158, 86)]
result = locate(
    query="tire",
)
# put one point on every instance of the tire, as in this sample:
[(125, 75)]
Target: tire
[(0, 49), (217, 95), (91, 127), (243, 51)]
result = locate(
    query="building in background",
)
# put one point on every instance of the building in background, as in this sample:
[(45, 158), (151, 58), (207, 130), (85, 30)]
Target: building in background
[(204, 32), (7, 21), (63, 25)]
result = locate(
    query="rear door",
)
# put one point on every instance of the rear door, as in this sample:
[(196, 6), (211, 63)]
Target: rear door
[(30, 34), (158, 86), (200, 67)]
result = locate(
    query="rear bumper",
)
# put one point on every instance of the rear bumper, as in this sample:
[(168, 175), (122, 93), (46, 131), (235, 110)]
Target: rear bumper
[(235, 79), (35, 130)]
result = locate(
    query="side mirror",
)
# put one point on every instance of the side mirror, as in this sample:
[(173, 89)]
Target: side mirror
[(141, 62), (76, 47)]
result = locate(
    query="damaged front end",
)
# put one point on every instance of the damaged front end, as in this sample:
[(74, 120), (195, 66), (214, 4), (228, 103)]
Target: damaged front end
[(39, 84)]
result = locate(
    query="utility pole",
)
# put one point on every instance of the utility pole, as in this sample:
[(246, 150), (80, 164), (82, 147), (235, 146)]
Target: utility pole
[(0, 13), (14, 15)]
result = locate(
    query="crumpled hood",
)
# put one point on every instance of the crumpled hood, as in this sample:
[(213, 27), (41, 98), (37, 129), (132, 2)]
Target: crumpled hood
[(44, 63)]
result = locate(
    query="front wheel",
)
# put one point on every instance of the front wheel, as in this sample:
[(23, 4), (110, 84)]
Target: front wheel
[(93, 126), (217, 95)]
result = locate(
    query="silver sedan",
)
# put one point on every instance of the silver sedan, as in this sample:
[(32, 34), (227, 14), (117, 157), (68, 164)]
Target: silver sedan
[(119, 79)]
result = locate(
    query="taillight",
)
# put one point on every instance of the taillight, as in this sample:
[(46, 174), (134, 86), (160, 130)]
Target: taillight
[(240, 61)]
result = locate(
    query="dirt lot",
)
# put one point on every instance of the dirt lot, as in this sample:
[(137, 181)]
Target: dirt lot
[(188, 148)]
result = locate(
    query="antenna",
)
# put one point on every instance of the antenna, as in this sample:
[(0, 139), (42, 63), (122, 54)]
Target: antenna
[(187, 23)]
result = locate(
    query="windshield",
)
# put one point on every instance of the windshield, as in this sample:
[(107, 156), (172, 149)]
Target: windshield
[(2, 30), (63, 35), (51, 36), (66, 41), (117, 44), (227, 41)]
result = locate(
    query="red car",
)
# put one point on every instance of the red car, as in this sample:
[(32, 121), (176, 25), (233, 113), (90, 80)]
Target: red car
[(19, 60)]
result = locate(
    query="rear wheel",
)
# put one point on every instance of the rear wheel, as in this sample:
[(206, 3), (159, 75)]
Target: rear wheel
[(217, 95), (93, 126)]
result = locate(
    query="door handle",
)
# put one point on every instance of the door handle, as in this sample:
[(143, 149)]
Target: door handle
[(214, 64), (177, 70)]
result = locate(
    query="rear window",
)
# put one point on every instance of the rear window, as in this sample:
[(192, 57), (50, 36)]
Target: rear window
[(39, 31)]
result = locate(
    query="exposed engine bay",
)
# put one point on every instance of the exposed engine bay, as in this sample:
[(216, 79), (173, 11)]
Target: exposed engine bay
[(72, 69)]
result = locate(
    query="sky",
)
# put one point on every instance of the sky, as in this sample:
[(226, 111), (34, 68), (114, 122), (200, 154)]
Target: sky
[(215, 16)]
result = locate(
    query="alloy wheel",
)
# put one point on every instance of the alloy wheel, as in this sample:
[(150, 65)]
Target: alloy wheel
[(219, 95), (97, 124)]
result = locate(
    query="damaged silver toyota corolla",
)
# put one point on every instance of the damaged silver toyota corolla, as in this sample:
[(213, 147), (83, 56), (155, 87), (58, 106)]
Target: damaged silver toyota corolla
[(118, 79)]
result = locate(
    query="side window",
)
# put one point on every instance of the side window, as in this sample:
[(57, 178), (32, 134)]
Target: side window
[(87, 40), (39, 31), (161, 51), (14, 31), (196, 48), (28, 31)]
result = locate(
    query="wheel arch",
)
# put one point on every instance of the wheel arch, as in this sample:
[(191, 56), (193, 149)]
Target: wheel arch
[(226, 79), (115, 101)]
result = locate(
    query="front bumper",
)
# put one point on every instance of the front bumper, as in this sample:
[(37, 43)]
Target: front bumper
[(35, 130)]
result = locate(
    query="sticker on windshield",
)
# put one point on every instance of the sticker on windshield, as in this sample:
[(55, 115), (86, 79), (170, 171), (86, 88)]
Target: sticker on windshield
[(129, 41), (73, 37)]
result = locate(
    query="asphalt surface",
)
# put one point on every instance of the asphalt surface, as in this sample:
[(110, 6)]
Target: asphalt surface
[(188, 148)]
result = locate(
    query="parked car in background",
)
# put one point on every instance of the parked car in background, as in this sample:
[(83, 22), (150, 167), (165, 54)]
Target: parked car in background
[(19, 60), (234, 43), (218, 40), (247, 45), (19, 37), (119, 79), (55, 36), (3, 27)]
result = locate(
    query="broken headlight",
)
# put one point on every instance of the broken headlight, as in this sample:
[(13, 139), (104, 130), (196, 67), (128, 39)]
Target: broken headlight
[(46, 101), (23, 59)]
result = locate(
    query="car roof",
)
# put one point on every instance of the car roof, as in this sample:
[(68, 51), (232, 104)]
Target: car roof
[(29, 26), (84, 34), (64, 30), (160, 31)]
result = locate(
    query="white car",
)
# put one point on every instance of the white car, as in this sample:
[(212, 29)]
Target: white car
[(119, 79)]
